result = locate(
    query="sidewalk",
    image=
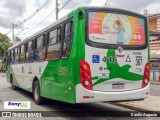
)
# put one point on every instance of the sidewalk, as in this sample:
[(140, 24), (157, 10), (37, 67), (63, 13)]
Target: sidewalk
[(2, 74), (156, 82), (149, 104)]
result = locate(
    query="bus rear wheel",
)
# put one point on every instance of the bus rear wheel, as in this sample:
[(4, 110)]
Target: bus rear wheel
[(12, 86), (36, 93)]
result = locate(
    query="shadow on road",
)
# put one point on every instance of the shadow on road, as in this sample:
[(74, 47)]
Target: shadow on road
[(78, 110)]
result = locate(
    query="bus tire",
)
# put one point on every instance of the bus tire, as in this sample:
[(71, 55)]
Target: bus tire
[(12, 86), (36, 93)]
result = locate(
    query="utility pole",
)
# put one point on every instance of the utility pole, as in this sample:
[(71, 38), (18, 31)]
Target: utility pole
[(12, 31), (145, 12), (4, 54), (57, 9)]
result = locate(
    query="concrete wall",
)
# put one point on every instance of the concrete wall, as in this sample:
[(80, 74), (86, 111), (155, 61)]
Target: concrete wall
[(155, 75), (158, 24), (153, 24)]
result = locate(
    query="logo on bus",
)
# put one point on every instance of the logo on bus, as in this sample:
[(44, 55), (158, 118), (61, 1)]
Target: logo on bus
[(138, 70), (62, 71), (138, 61), (95, 59)]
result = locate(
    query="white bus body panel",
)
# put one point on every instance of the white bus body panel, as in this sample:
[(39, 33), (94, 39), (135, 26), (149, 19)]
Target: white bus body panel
[(97, 96)]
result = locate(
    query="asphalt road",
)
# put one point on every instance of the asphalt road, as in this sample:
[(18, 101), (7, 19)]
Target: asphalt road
[(7, 94)]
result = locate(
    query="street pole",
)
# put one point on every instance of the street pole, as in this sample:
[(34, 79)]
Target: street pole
[(145, 12), (4, 53), (12, 31), (57, 10)]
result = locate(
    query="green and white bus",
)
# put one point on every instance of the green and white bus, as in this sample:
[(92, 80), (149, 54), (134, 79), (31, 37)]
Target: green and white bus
[(92, 54)]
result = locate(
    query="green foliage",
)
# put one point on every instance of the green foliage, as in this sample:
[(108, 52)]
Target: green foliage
[(3, 37), (4, 44)]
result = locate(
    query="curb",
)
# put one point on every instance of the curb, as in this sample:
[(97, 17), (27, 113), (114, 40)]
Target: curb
[(155, 83), (2, 75), (134, 108), (140, 105)]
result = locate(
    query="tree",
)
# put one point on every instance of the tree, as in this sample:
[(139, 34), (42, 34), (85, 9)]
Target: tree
[(4, 44), (3, 37)]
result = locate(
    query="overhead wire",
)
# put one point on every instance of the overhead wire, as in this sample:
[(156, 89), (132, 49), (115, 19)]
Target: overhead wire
[(46, 17), (34, 13), (39, 23), (31, 16), (65, 4), (8, 32), (20, 32)]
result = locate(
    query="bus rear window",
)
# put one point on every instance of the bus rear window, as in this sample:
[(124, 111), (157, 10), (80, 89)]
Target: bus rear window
[(112, 28)]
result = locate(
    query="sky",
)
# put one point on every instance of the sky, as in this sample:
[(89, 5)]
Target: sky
[(16, 11)]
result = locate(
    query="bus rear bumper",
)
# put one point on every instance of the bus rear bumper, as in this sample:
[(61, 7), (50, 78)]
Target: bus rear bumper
[(85, 96)]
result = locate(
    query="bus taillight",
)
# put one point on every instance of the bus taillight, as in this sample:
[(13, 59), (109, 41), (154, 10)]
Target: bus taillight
[(146, 76), (84, 67), (85, 75)]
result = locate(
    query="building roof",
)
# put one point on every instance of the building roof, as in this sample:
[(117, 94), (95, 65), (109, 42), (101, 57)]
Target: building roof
[(153, 32), (154, 15)]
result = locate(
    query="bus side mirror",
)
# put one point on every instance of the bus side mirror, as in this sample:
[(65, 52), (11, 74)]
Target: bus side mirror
[(80, 15)]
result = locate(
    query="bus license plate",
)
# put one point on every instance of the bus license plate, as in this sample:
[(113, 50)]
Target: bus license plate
[(118, 86)]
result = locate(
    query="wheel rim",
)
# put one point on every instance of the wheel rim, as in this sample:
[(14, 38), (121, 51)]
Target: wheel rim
[(36, 92)]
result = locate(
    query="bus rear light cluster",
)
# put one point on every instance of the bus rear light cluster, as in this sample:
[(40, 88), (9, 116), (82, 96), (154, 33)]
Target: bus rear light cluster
[(146, 76), (85, 75), (146, 81), (86, 82), (84, 67)]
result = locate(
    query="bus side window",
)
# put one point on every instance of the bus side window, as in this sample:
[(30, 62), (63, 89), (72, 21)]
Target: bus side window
[(54, 44), (17, 55), (12, 56), (27, 52), (67, 42), (9, 57), (40, 48), (22, 54), (30, 46)]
